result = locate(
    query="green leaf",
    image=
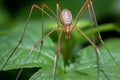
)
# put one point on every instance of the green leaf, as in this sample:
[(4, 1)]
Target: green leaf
[(84, 67), (81, 67), (8, 43)]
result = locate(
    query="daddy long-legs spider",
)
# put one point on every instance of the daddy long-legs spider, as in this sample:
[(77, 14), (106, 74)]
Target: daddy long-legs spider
[(65, 25)]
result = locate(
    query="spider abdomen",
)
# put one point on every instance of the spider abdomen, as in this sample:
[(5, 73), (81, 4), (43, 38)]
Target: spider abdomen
[(66, 17)]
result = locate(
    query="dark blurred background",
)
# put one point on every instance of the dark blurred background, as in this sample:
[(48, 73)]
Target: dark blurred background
[(106, 10)]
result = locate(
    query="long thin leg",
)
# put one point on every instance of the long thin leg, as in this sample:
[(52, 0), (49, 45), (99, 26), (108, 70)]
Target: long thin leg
[(41, 42), (19, 42), (57, 16), (31, 50), (58, 45), (22, 36), (97, 53), (39, 8), (56, 54), (91, 23), (42, 30), (45, 6), (100, 38), (84, 7), (93, 39)]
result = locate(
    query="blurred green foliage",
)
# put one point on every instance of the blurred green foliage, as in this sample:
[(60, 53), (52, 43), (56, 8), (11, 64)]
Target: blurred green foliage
[(18, 8)]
